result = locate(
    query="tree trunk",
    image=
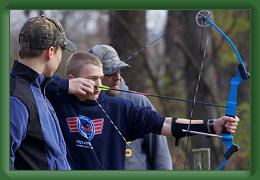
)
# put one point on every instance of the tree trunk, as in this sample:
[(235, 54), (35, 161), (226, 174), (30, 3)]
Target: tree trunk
[(128, 34)]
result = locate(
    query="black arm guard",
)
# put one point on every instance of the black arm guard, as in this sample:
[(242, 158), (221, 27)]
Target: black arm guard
[(206, 127)]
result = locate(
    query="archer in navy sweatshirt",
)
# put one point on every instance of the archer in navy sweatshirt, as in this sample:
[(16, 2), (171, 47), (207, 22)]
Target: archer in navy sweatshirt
[(96, 127), (108, 146)]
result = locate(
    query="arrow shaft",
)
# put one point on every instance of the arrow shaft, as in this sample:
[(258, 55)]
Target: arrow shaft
[(169, 98), (201, 133)]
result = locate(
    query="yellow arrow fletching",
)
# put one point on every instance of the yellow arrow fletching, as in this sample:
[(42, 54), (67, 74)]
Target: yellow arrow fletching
[(102, 87)]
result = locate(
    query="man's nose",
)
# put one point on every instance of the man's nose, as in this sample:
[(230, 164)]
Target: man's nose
[(98, 82), (117, 76)]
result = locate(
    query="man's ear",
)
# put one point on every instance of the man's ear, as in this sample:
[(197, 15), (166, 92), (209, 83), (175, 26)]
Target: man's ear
[(69, 76), (49, 53)]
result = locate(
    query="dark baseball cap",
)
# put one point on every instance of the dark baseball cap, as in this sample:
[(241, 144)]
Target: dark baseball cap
[(42, 32), (109, 58)]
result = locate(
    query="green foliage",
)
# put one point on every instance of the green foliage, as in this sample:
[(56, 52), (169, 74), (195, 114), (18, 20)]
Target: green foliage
[(235, 24), (243, 135)]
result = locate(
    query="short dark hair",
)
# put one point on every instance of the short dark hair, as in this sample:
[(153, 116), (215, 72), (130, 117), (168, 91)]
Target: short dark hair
[(25, 52)]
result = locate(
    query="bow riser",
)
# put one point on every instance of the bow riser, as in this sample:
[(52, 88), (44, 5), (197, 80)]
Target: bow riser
[(232, 97)]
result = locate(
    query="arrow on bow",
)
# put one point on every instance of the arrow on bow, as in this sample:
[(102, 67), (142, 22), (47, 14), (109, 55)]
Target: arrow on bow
[(106, 88)]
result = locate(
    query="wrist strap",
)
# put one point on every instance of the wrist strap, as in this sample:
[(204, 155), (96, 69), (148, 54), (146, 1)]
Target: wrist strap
[(210, 125)]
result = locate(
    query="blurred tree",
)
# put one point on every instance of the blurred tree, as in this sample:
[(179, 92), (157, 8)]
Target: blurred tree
[(127, 32)]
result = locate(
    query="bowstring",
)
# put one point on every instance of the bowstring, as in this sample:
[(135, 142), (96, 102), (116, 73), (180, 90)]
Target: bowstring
[(194, 97), (196, 89), (121, 135)]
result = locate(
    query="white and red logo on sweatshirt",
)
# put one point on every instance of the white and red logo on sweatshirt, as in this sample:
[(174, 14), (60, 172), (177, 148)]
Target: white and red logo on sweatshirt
[(85, 126)]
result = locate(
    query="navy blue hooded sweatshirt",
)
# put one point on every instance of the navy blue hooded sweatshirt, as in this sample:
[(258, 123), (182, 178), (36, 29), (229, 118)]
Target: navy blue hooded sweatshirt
[(84, 121)]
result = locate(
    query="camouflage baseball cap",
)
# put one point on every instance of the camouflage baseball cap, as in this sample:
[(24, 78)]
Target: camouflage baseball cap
[(42, 32), (109, 58)]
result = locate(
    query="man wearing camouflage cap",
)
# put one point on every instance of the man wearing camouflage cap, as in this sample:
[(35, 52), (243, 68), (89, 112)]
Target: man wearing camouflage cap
[(36, 139), (152, 149)]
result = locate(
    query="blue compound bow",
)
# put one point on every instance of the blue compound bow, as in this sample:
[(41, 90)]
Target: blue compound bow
[(203, 18)]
